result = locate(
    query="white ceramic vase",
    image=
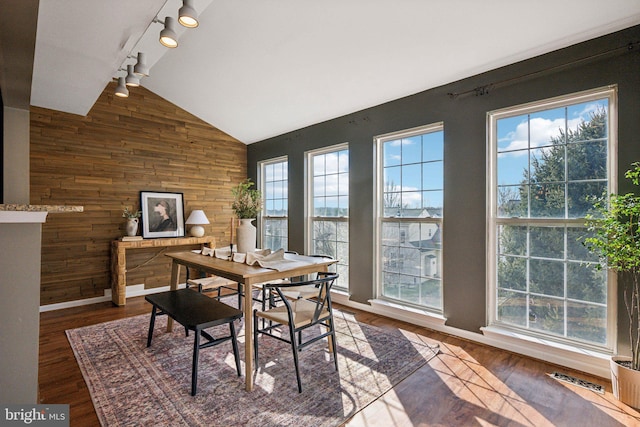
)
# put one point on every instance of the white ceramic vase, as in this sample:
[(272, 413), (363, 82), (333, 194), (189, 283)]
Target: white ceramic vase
[(625, 382), (246, 234), (132, 226)]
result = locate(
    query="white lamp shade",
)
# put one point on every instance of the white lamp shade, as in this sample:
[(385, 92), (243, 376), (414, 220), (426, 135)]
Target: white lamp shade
[(197, 217)]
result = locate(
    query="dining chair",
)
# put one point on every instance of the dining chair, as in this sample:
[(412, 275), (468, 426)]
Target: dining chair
[(216, 283), (296, 315)]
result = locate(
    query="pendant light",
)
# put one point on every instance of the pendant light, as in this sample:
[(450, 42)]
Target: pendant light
[(168, 36), (121, 89), (141, 67), (132, 80), (187, 15)]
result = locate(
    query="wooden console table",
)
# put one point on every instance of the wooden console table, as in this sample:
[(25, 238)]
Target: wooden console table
[(119, 259)]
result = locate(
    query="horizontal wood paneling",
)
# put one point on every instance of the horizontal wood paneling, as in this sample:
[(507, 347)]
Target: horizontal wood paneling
[(102, 161)]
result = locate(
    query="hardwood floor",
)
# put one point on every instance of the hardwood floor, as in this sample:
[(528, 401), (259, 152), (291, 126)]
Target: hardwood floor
[(467, 384)]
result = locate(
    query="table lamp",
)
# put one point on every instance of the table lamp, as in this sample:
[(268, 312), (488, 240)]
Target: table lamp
[(196, 218)]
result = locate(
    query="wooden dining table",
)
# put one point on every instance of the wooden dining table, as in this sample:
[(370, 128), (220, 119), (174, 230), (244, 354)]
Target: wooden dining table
[(246, 276)]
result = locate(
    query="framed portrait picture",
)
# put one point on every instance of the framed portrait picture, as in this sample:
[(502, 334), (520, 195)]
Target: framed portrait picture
[(162, 214)]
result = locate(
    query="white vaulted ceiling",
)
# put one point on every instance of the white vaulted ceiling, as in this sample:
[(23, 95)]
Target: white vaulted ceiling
[(259, 68)]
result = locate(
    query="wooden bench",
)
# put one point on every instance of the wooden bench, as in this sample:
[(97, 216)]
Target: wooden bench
[(196, 312)]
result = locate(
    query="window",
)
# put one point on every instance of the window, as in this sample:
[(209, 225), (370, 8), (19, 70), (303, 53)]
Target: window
[(329, 207), (274, 186), (547, 159), (410, 194)]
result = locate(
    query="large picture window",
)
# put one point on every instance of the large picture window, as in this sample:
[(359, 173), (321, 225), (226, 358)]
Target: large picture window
[(410, 194), (274, 222), (329, 207), (547, 160)]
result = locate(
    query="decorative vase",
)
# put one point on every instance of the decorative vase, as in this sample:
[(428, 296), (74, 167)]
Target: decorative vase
[(625, 382), (246, 235), (132, 226)]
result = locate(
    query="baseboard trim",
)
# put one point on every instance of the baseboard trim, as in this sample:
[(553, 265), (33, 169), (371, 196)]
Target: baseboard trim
[(131, 291)]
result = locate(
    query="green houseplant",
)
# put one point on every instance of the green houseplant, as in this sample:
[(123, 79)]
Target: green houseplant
[(616, 241), (246, 205), (247, 201)]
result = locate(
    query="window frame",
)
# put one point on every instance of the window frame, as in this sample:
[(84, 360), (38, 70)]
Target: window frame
[(378, 263), (494, 221), (262, 181), (310, 218)]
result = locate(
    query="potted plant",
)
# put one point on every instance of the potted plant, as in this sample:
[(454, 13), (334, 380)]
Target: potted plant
[(132, 220), (247, 202), (616, 241)]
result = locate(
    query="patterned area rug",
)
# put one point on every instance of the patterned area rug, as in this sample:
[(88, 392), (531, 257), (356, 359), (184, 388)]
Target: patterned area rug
[(131, 384)]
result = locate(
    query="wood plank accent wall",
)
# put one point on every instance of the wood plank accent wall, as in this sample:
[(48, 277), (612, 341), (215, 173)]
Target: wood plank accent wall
[(102, 161)]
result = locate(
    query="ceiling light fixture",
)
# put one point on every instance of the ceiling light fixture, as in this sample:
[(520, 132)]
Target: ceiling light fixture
[(141, 67), (168, 36), (121, 89), (132, 78), (187, 15)]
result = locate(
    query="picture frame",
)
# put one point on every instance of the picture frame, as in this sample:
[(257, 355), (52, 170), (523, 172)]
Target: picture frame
[(162, 214)]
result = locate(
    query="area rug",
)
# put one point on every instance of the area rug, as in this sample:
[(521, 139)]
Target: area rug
[(132, 385)]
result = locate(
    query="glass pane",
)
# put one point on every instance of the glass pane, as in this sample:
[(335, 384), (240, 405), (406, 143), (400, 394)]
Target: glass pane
[(411, 177), (586, 283), (432, 146), (546, 314), (392, 155), (547, 242), (512, 273), (432, 202), (547, 201), (587, 322), (512, 201), (331, 206), (547, 127), (546, 277), (411, 150), (579, 197), (343, 161), (411, 203), (343, 206), (547, 164), (431, 293), (588, 120), (587, 160), (512, 307), (430, 236), (392, 179), (318, 165), (513, 167), (331, 185), (432, 176), (390, 287), (512, 240), (513, 133), (343, 184), (318, 206), (576, 249), (318, 186), (343, 252)]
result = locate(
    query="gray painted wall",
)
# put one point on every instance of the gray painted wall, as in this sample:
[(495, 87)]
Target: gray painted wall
[(464, 257)]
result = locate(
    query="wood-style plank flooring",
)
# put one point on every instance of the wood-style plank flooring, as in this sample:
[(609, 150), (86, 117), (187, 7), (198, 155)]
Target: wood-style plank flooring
[(467, 384)]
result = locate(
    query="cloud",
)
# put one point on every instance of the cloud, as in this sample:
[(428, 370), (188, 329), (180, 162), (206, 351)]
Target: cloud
[(538, 134)]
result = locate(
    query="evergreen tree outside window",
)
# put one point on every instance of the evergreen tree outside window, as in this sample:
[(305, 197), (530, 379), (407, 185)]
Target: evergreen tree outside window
[(410, 206), (547, 160), (274, 185)]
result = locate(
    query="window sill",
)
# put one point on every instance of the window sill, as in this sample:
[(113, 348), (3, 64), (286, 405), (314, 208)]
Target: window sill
[(590, 361), (408, 314)]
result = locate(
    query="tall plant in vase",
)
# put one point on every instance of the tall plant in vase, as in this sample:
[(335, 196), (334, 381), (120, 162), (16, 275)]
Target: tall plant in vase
[(247, 203), (616, 241)]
